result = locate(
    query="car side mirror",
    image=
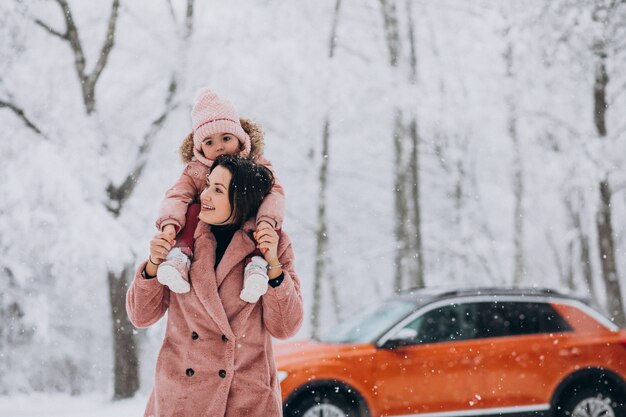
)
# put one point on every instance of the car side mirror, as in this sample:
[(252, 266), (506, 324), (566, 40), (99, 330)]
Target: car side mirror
[(404, 337)]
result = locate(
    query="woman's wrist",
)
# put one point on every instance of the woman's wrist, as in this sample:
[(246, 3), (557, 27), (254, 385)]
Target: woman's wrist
[(274, 268), (274, 273), (151, 268)]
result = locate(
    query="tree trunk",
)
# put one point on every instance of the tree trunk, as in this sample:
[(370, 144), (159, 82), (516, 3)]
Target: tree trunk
[(392, 32), (584, 255), (417, 276), (417, 273), (518, 179), (585, 263), (412, 46), (126, 368), (126, 378), (606, 244), (560, 267), (321, 236), (321, 265), (569, 265), (400, 205)]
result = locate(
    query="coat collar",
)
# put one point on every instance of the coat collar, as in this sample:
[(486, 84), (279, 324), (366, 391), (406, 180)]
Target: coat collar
[(208, 280), (241, 245)]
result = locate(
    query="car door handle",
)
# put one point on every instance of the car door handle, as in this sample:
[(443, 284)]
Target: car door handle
[(569, 352)]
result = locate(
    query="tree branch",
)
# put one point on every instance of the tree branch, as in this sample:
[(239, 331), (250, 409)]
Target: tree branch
[(52, 31), (87, 81), (119, 194), (22, 115), (72, 38), (572, 131), (188, 20), (108, 43), (333, 30), (171, 10), (390, 20)]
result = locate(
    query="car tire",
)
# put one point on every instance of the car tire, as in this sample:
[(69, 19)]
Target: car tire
[(322, 404), (599, 401)]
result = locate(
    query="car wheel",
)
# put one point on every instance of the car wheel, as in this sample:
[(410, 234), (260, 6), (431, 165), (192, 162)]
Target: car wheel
[(323, 405), (590, 402)]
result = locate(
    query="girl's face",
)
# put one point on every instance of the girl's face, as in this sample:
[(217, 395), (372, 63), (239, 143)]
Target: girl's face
[(215, 205), (220, 144)]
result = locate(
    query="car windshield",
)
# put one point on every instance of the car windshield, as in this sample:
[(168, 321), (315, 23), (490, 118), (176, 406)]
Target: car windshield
[(368, 325)]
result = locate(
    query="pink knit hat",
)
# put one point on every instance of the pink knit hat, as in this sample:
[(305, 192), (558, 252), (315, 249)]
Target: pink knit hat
[(212, 114)]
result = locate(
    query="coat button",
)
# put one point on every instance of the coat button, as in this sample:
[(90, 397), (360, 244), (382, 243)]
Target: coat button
[(224, 338), (194, 335), (189, 372), (222, 373)]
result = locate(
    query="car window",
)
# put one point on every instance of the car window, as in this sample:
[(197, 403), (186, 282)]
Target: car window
[(446, 323), (519, 318), (370, 323)]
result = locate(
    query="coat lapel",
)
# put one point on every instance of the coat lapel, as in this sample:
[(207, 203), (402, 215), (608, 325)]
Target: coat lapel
[(206, 280), (240, 247), (203, 281)]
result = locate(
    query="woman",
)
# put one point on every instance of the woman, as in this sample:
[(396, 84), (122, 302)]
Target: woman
[(216, 358)]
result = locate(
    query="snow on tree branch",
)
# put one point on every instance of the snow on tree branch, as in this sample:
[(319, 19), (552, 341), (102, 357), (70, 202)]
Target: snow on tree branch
[(52, 31), (108, 42), (119, 194), (88, 81), (19, 112)]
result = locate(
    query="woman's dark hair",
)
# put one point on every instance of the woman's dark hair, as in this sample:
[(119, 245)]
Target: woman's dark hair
[(249, 185)]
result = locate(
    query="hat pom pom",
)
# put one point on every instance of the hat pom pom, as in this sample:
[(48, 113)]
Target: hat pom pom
[(205, 93)]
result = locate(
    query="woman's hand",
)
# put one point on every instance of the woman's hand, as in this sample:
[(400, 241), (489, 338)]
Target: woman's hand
[(267, 242), (160, 246)]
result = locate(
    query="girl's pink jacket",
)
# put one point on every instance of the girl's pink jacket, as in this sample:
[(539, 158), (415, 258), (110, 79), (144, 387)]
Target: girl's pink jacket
[(216, 358), (193, 179)]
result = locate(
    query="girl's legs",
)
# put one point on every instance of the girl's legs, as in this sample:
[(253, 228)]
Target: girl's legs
[(174, 272), (184, 239)]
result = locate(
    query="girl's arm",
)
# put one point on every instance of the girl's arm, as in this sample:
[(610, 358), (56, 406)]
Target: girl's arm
[(272, 209), (283, 310), (180, 195)]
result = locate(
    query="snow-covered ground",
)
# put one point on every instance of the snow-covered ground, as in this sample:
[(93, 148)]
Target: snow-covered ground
[(68, 406)]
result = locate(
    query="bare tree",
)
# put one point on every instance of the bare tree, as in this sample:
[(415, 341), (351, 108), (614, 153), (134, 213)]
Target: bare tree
[(409, 261), (518, 177), (321, 273), (400, 205), (87, 80), (604, 223), (584, 252), (417, 275), (126, 375), (21, 114), (599, 41)]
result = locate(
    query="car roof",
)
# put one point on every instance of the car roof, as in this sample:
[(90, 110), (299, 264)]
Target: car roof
[(423, 296)]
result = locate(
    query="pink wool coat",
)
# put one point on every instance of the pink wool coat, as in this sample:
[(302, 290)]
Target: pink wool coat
[(216, 358), (193, 180)]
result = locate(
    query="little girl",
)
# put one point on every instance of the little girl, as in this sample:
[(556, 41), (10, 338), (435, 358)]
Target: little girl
[(217, 130)]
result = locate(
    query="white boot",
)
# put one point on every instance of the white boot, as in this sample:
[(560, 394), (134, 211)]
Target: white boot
[(174, 271), (254, 280)]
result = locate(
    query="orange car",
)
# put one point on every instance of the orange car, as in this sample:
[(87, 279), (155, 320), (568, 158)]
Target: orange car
[(472, 352)]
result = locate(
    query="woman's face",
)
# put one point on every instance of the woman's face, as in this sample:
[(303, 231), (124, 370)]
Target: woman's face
[(215, 205)]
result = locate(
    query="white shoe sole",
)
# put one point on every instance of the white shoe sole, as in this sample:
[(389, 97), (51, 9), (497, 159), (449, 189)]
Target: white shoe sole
[(168, 275)]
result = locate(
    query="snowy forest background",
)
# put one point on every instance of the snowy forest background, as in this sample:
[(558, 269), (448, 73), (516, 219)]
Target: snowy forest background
[(420, 142)]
